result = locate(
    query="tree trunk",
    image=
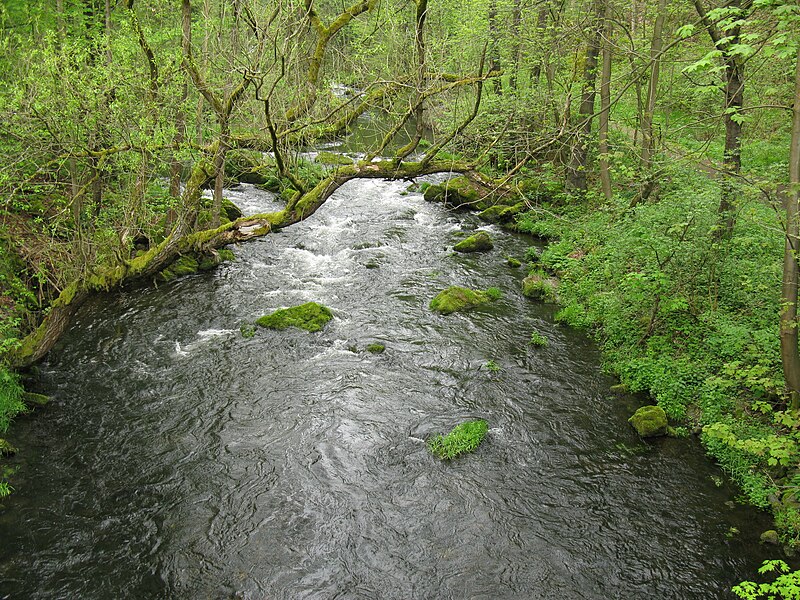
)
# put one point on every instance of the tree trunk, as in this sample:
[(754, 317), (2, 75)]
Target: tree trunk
[(605, 103), (516, 47), (648, 142), (579, 158), (734, 100), (790, 356), (494, 47)]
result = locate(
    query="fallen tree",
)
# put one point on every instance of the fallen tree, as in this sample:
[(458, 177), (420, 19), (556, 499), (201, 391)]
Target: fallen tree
[(182, 241)]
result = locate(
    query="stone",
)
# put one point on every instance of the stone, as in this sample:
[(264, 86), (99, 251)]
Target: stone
[(649, 421), (478, 242)]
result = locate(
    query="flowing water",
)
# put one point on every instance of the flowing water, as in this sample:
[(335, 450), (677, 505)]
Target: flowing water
[(181, 459)]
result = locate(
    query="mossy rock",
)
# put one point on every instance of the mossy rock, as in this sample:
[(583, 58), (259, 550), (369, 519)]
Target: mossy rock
[(650, 421), (32, 399), (513, 262), (478, 242), (6, 449), (375, 348), (538, 286), (500, 213), (459, 192), (272, 184), (457, 298), (231, 211), (332, 158), (309, 316), (770, 537), (185, 265), (463, 438)]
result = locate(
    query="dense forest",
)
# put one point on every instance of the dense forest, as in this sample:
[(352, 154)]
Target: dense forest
[(654, 144)]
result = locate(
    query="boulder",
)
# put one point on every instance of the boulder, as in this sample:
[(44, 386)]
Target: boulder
[(478, 242), (456, 298), (649, 421)]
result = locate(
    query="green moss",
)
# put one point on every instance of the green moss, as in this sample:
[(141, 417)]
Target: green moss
[(247, 330), (309, 316), (513, 262), (478, 242), (500, 213), (226, 254), (464, 438), (457, 298), (332, 158), (32, 399), (494, 293), (375, 348), (185, 265), (649, 421)]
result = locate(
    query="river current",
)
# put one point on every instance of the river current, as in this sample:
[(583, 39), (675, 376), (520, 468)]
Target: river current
[(181, 459)]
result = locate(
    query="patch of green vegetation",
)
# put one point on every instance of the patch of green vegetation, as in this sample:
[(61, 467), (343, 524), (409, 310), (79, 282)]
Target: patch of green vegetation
[(464, 438), (332, 158), (309, 316), (492, 366), (11, 398), (494, 293), (538, 285), (375, 348), (786, 584), (457, 298), (248, 331), (538, 340), (513, 262)]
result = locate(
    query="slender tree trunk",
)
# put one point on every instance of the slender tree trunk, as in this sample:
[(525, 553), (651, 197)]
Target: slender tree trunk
[(790, 356), (541, 29), (579, 159), (494, 47), (648, 143), (605, 102), (516, 47), (734, 100)]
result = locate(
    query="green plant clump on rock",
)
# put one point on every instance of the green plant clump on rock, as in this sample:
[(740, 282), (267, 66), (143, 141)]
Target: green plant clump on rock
[(462, 439), (457, 298), (309, 316), (375, 348), (538, 340)]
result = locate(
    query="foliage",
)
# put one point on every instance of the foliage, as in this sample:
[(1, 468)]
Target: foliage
[(786, 584), (11, 394), (538, 340), (464, 438)]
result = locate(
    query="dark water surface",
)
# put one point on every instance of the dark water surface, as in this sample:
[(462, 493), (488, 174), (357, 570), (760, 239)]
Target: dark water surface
[(179, 459)]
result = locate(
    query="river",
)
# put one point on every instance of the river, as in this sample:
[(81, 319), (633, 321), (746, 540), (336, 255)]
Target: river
[(181, 459)]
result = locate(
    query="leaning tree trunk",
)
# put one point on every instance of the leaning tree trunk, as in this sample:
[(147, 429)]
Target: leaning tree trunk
[(183, 241), (790, 356)]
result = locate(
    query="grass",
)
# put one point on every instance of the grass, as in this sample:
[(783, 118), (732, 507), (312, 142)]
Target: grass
[(464, 438)]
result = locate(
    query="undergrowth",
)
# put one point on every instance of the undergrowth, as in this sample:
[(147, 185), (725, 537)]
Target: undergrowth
[(691, 321)]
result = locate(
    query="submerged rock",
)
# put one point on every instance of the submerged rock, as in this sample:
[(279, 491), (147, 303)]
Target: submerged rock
[(230, 210), (309, 316), (457, 298), (6, 449), (649, 421), (478, 242), (34, 399), (770, 537), (375, 348)]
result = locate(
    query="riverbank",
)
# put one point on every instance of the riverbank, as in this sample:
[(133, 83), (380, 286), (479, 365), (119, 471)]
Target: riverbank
[(690, 320)]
